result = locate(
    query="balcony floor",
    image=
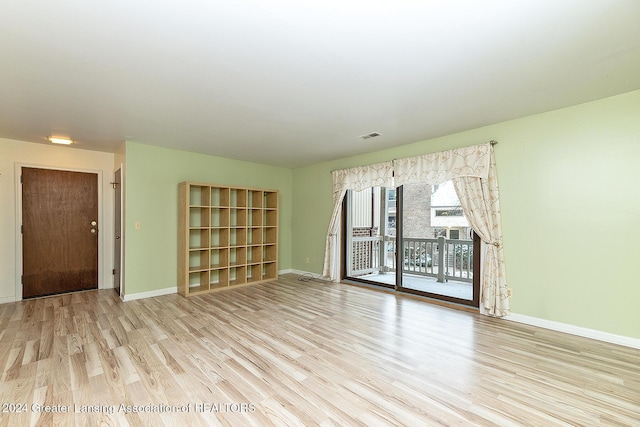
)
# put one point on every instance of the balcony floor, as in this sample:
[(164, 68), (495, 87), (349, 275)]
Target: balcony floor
[(455, 289)]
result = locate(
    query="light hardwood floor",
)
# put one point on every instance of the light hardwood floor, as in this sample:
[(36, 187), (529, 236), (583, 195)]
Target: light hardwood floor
[(300, 353)]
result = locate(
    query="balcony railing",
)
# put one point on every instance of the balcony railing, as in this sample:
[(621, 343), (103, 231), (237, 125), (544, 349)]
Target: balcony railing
[(365, 255), (444, 259)]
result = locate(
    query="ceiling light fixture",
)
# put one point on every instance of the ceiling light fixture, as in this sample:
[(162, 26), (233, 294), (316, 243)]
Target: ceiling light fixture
[(370, 135), (60, 140)]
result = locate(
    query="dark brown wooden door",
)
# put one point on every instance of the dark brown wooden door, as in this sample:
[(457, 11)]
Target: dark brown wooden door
[(60, 231)]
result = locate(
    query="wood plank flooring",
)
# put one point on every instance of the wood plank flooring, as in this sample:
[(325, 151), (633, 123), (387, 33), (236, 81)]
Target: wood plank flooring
[(291, 353)]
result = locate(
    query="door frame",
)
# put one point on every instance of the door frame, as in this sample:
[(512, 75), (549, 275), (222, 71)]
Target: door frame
[(18, 188), (119, 244)]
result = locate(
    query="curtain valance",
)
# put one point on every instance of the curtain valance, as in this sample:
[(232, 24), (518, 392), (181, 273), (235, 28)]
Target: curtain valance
[(360, 177), (435, 168), (432, 168)]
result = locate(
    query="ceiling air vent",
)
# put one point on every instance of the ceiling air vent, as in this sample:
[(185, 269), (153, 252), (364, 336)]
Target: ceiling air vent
[(370, 135)]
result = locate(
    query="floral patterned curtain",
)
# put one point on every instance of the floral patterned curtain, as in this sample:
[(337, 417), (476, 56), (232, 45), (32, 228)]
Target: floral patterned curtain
[(481, 206), (356, 179), (473, 172)]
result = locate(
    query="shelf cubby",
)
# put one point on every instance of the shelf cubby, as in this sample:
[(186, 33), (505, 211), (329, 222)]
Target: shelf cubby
[(198, 282), (198, 259), (254, 236), (270, 218), (238, 217), (254, 254), (198, 238), (269, 270), (270, 235), (219, 278), (219, 197), (237, 256), (269, 253), (219, 237), (255, 218), (237, 275), (219, 258), (238, 198), (199, 195), (219, 217), (228, 236), (237, 237), (254, 273), (255, 198), (198, 216), (270, 200)]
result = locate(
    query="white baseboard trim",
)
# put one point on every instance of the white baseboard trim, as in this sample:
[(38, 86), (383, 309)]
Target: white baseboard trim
[(575, 330), (174, 290), (7, 300), (150, 294)]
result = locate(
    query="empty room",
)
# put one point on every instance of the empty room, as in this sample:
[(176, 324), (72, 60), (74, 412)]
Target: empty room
[(417, 213)]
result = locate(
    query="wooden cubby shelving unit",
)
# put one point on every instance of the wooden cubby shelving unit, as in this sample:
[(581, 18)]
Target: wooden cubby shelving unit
[(227, 236)]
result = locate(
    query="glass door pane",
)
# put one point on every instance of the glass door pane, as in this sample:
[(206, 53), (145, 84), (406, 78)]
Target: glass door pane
[(437, 247), (370, 236)]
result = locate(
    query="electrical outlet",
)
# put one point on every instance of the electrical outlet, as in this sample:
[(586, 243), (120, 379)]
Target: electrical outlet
[(306, 260)]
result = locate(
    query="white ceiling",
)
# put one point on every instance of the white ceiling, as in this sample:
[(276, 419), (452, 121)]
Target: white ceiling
[(291, 83)]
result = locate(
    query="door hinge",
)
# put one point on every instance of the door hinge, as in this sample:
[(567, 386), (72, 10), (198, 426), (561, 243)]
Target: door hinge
[(113, 271), (22, 280), (20, 179), (22, 229)]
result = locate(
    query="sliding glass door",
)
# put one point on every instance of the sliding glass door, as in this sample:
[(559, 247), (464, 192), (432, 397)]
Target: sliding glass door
[(415, 239)]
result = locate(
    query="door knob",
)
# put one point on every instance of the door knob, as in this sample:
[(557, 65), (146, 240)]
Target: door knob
[(93, 230), (94, 223)]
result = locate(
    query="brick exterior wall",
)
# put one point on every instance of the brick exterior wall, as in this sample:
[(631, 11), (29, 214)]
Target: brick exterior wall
[(417, 211), (364, 231)]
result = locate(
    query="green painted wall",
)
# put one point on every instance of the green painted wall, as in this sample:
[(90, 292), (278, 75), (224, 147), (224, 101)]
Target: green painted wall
[(152, 177), (570, 196)]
